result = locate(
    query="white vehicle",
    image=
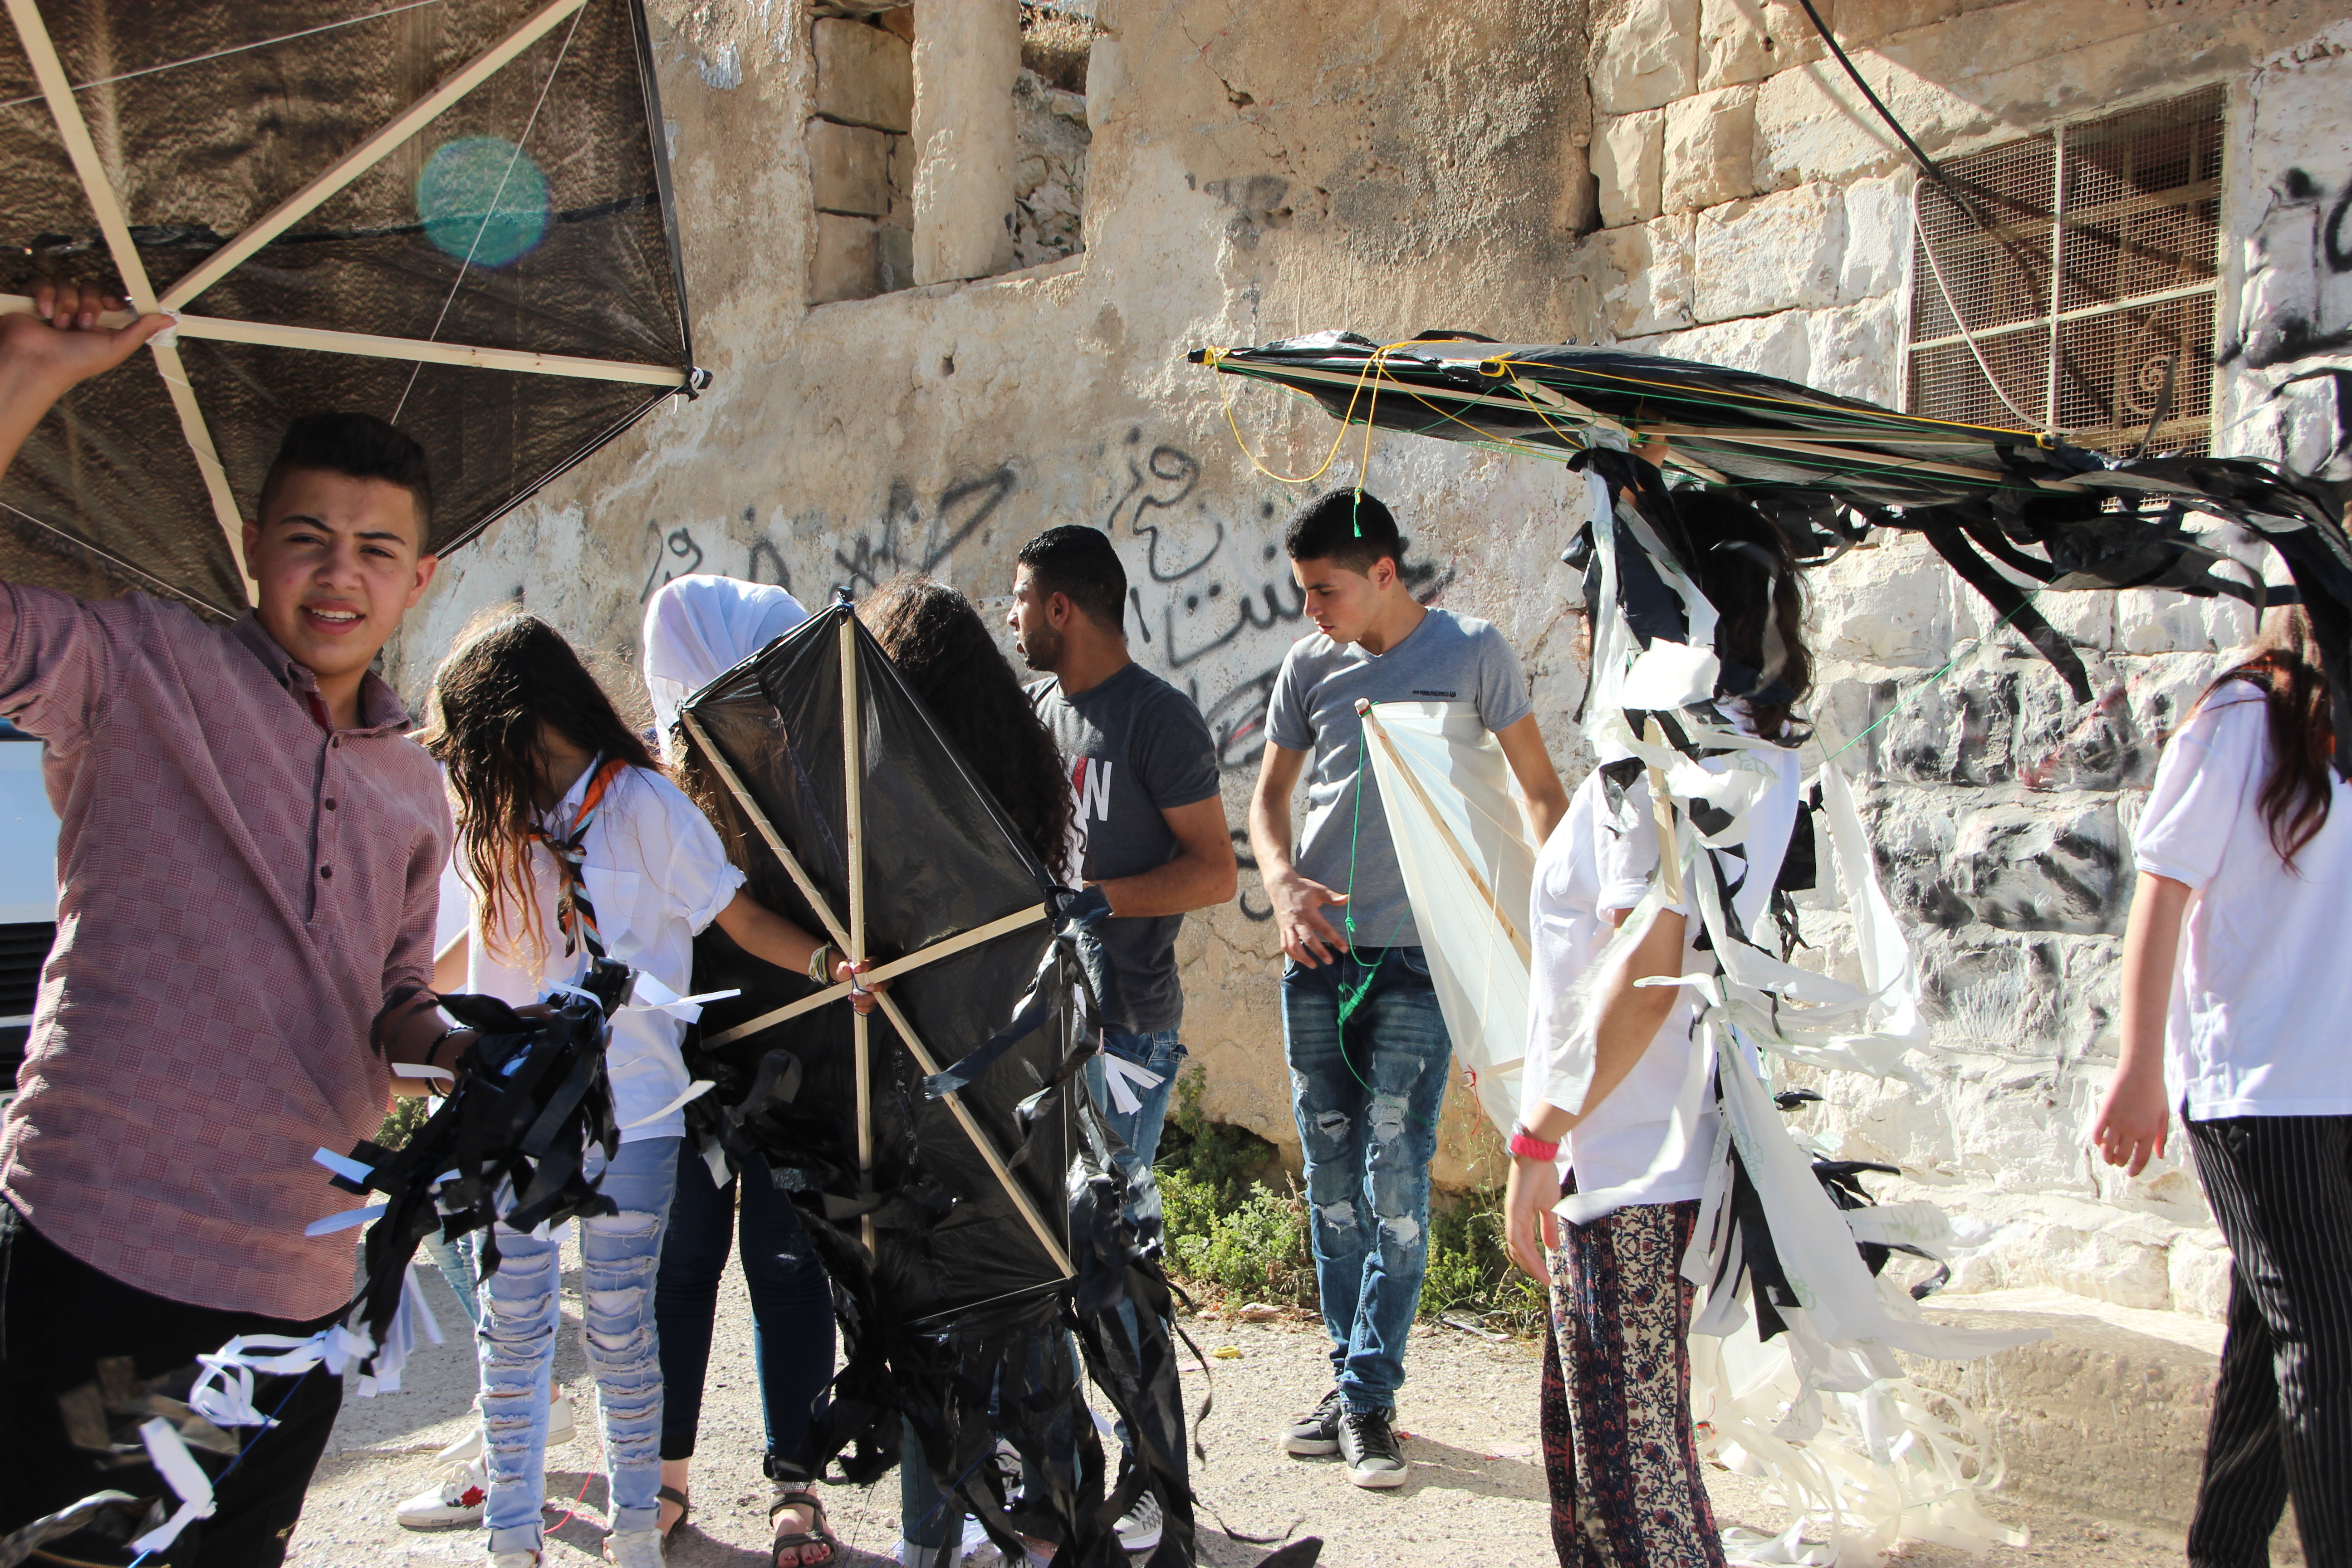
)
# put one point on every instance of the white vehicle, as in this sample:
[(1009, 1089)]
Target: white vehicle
[(28, 892)]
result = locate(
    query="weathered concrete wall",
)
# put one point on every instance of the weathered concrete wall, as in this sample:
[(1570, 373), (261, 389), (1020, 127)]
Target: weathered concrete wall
[(1250, 174), (1254, 172)]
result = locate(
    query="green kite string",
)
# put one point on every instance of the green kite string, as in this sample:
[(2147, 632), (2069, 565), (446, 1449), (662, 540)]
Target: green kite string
[(1914, 692)]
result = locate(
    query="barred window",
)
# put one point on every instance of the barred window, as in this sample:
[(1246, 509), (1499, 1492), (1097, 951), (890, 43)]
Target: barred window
[(2091, 301)]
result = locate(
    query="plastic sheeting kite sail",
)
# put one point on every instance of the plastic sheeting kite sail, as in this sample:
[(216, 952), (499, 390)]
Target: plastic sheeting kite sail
[(949, 1133), (454, 215), (2014, 512)]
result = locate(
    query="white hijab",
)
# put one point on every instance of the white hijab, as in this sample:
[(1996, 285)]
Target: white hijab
[(700, 627)]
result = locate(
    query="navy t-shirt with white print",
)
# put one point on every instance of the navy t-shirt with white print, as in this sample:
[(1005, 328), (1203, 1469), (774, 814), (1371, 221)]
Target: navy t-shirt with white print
[(1135, 747)]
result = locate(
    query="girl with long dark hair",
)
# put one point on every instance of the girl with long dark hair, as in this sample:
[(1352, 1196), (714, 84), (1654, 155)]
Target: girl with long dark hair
[(1620, 1452), (2236, 992), (944, 650), (573, 846)]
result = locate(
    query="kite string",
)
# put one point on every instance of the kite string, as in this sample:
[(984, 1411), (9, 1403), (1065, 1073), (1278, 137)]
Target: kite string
[(1980, 644), (233, 49), (483, 228)]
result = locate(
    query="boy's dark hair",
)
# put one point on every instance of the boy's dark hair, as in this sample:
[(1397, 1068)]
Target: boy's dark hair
[(1350, 527), (1079, 562), (359, 447)]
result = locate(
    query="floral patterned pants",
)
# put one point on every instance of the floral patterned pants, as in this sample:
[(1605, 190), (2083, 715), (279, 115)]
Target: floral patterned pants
[(1618, 1453)]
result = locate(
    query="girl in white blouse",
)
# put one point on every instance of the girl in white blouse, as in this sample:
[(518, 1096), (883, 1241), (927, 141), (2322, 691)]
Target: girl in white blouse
[(2237, 987)]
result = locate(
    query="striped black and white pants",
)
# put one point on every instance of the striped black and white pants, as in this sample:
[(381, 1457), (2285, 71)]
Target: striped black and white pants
[(2281, 1187)]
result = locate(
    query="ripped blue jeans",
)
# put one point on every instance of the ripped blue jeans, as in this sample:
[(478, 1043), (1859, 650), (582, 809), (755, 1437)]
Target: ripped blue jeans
[(1367, 1098), (522, 1312)]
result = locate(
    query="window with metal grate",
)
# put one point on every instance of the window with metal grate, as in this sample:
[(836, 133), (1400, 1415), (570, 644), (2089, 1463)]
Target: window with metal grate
[(2084, 302)]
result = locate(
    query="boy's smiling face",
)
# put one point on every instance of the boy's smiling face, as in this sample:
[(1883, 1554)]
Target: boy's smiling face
[(337, 563)]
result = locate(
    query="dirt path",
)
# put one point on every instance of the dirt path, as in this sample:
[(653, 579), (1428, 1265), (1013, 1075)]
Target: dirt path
[(1477, 1495)]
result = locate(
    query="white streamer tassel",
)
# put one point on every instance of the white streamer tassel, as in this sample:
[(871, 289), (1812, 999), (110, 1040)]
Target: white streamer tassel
[(1125, 1080), (694, 1091), (183, 1475), (650, 995)]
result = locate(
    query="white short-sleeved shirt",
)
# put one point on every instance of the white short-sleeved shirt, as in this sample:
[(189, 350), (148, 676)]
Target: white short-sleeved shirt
[(1595, 864), (2263, 986), (657, 875)]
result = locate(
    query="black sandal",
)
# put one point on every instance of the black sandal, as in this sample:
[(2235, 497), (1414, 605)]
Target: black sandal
[(671, 1494), (817, 1534)]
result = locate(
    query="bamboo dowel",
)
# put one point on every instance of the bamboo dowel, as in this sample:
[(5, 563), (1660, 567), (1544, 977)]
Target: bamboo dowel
[(1662, 810), (883, 973), (853, 813), (1461, 856), (108, 208), (360, 159), (368, 345)]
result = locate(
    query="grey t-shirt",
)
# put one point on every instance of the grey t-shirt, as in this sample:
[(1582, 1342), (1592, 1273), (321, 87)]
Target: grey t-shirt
[(1135, 745), (1446, 658)]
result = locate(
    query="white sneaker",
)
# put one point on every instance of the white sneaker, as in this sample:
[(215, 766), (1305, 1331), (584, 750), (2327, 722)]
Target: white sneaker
[(560, 1429), (1138, 1528), (634, 1548), (457, 1500)]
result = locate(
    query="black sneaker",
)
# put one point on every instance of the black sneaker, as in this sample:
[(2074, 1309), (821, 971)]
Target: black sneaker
[(1318, 1431), (1367, 1445)]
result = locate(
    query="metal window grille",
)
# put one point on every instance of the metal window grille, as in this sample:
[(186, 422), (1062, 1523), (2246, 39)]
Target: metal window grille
[(2092, 299)]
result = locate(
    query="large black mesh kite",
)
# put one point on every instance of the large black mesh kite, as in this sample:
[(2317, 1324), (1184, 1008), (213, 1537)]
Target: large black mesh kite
[(955, 1178), (1999, 505), (451, 214)]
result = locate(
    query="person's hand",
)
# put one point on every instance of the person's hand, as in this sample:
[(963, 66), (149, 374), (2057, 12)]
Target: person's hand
[(1299, 904), (860, 996), (62, 342), (1528, 1225), (2132, 1122)]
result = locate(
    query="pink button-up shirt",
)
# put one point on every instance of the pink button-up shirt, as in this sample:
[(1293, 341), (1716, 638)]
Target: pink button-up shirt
[(239, 888)]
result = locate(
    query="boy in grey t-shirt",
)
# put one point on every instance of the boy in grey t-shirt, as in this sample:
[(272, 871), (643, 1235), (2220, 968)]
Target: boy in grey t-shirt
[(1367, 1091)]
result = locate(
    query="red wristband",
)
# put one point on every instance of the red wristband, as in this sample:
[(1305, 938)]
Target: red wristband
[(1526, 1145)]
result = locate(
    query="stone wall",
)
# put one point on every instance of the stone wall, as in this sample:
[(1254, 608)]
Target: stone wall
[(1690, 177), (1759, 215)]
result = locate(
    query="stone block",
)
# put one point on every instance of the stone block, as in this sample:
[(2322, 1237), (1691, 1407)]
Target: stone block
[(2105, 1415), (865, 76), (1877, 237), (967, 59), (845, 262), (1646, 282), (1779, 252), (1769, 345), (1887, 606), (1710, 150), (1855, 350), (1748, 40), (849, 169), (1628, 159), (1646, 55), (2043, 865)]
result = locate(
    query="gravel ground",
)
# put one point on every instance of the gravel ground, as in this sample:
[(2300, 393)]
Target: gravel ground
[(1476, 1494)]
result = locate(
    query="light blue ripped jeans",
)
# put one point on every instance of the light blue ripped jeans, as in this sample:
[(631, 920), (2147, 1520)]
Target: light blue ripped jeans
[(521, 1311), (1367, 1095)]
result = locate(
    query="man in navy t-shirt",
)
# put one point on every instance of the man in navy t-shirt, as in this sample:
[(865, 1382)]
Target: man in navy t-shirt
[(1149, 829)]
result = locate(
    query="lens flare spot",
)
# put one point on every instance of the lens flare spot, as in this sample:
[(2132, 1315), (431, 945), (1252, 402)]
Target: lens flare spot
[(482, 198)]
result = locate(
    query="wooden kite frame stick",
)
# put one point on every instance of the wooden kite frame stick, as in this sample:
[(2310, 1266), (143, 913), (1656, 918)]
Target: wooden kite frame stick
[(108, 208), (1461, 856), (853, 793), (884, 974), (1662, 809), (923, 1058), (360, 159)]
